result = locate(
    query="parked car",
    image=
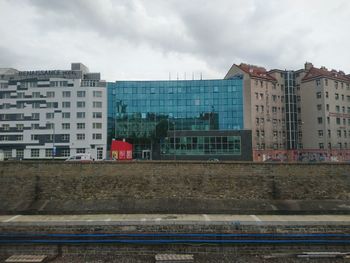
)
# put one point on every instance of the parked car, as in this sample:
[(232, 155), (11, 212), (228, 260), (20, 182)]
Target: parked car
[(80, 157)]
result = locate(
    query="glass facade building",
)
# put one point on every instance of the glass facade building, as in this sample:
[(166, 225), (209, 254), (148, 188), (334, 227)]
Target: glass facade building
[(291, 110), (187, 119)]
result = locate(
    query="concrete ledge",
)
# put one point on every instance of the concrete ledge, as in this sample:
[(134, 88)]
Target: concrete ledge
[(180, 206)]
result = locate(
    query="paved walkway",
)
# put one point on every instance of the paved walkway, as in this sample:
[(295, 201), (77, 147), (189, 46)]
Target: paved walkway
[(127, 219)]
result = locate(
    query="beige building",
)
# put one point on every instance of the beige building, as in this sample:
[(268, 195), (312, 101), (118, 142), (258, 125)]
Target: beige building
[(325, 109), (294, 114), (263, 106)]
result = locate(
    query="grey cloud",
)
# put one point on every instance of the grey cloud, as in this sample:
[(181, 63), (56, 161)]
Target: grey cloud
[(272, 33)]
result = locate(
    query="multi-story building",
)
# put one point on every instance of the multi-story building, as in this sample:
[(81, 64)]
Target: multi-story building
[(184, 119), (52, 113), (325, 110), (263, 107), (293, 114)]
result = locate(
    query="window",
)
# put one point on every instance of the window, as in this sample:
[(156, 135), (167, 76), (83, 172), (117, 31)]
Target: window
[(328, 120), (319, 120), (21, 126), (50, 115), (65, 137), (329, 133), (48, 152), (80, 150), (320, 133), (50, 94), (98, 125), (97, 136), (337, 108), (327, 107), (6, 127), (274, 109), (97, 94), (326, 82), (338, 133), (65, 126), (66, 104), (36, 105), (65, 152), (321, 145), (20, 95), (34, 153), (35, 116), (318, 95), (338, 121), (52, 105), (50, 125), (19, 153), (4, 138), (318, 82), (336, 84), (327, 95), (97, 104), (20, 105), (80, 104), (65, 115), (81, 94), (319, 106), (98, 115), (35, 126), (35, 94), (66, 94), (336, 95), (80, 126), (80, 115), (262, 108), (80, 136)]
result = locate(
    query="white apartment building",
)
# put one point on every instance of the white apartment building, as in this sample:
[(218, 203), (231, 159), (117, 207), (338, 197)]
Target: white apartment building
[(52, 113)]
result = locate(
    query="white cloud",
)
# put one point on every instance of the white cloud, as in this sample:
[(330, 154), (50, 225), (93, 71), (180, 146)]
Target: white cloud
[(134, 39)]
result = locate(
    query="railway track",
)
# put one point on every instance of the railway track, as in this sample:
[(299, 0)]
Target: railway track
[(176, 238)]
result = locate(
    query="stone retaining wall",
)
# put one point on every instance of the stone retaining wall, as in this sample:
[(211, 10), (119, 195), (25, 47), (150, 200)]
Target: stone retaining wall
[(33, 186)]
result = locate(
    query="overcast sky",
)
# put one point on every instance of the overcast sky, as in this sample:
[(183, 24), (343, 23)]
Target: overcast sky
[(135, 39)]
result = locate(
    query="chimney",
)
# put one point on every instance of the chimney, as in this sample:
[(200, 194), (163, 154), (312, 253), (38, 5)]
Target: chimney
[(308, 65)]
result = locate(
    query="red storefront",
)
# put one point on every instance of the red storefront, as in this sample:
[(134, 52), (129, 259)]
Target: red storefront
[(121, 150)]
